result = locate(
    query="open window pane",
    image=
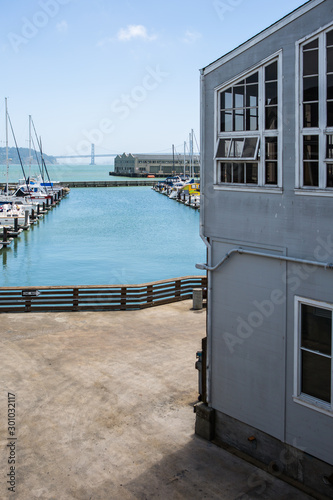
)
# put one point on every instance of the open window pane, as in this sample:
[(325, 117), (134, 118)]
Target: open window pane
[(316, 376), (236, 148), (316, 331), (223, 148), (310, 174), (250, 146)]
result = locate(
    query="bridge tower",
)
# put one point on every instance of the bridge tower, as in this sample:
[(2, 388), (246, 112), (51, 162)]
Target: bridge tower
[(92, 162)]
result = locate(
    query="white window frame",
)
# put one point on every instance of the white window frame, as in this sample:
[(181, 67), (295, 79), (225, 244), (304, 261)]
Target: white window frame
[(240, 158), (322, 131), (298, 396), (261, 133)]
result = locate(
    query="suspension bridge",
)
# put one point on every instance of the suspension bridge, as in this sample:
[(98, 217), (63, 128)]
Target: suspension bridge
[(92, 156)]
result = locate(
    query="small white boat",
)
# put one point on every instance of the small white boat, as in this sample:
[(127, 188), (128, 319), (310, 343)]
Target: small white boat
[(23, 202), (9, 213)]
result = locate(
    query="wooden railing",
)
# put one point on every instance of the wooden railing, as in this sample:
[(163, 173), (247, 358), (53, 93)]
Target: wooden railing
[(127, 183), (99, 298)]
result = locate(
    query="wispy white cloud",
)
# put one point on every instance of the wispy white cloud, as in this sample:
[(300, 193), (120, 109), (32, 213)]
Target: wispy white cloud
[(62, 27), (134, 31), (191, 36)]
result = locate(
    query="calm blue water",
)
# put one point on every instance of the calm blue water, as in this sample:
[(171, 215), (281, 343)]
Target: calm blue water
[(61, 173), (104, 236)]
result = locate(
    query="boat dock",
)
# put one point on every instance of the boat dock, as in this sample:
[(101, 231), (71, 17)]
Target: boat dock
[(10, 231)]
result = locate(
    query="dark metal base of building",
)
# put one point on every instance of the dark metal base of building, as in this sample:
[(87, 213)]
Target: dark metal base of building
[(118, 174), (157, 176), (295, 466)]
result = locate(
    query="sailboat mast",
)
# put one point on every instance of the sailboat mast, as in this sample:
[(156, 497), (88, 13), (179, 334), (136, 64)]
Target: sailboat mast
[(190, 152), (184, 159), (29, 146), (7, 159), (192, 162), (41, 156)]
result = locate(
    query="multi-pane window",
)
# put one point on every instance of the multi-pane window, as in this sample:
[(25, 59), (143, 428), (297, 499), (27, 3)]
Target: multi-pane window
[(317, 112), (271, 96), (247, 140), (314, 377), (239, 106)]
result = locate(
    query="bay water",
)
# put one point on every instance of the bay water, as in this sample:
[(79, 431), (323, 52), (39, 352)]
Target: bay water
[(61, 173), (101, 236)]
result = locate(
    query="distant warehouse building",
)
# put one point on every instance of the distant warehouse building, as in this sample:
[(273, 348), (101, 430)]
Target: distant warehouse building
[(140, 164)]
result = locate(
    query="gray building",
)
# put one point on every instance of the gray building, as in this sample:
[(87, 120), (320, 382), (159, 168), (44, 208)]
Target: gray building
[(159, 165), (266, 218)]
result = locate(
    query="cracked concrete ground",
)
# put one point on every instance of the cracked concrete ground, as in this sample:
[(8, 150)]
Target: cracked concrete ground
[(104, 410)]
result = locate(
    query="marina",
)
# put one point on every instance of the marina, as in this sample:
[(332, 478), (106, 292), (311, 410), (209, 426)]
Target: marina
[(105, 236), (181, 189)]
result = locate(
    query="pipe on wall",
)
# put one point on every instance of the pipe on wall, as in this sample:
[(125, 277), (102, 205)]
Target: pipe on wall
[(241, 251)]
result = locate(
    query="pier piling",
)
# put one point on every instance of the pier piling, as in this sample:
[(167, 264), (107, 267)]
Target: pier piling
[(26, 219)]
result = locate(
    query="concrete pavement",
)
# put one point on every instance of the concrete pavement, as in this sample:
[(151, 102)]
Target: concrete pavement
[(104, 410)]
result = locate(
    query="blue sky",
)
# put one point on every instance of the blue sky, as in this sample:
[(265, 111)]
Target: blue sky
[(124, 75)]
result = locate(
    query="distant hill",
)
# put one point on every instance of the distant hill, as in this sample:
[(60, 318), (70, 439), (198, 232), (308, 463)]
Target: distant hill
[(24, 153)]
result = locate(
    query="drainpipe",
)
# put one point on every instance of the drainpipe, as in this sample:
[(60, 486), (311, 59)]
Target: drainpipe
[(241, 251), (209, 268), (205, 239)]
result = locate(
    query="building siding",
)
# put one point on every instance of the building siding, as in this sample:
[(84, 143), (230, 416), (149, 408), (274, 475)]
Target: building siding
[(254, 383)]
